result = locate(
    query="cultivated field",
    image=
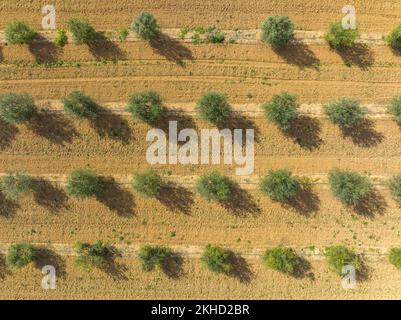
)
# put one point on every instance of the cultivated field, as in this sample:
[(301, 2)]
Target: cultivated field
[(114, 145)]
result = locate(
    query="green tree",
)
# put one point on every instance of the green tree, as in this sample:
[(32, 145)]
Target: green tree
[(277, 31), (154, 256), (395, 257), (16, 108), (18, 32), (61, 38), (394, 38), (92, 255), (394, 108), (15, 186), (213, 107), (82, 31), (282, 110), (280, 185), (344, 112), (338, 37), (147, 183), (83, 183), (282, 259), (146, 106), (217, 259), (80, 106), (394, 185), (341, 256), (348, 186), (214, 187), (145, 26), (19, 255)]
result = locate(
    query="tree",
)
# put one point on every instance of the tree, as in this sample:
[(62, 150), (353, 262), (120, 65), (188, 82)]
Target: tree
[(277, 31), (83, 183), (146, 106), (394, 108), (61, 38), (338, 37), (145, 26), (147, 183), (79, 105), (345, 113), (82, 31), (217, 259), (282, 110), (18, 32), (154, 256), (282, 259), (348, 186), (394, 38), (16, 108), (394, 185), (19, 255), (340, 256), (15, 186), (280, 185), (395, 257), (91, 255), (214, 187), (213, 107)]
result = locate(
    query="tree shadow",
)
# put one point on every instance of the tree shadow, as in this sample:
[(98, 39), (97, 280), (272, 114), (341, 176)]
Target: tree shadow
[(176, 197), (359, 54), (305, 201), (116, 198), (171, 49), (236, 120), (363, 273), (7, 134), (240, 269), (305, 131), (111, 125), (54, 127), (184, 121), (303, 269), (114, 269), (105, 49), (4, 271), (173, 266), (363, 134), (43, 49), (48, 195), (299, 54), (8, 208), (374, 204), (45, 256), (1, 54), (241, 203)]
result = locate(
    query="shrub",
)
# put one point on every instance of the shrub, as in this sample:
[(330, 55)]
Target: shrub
[(340, 256), (394, 185), (82, 31), (146, 106), (79, 105), (338, 38), (123, 34), (83, 183), (61, 38), (395, 257), (15, 186), (395, 109), (214, 186), (216, 37), (213, 107), (280, 185), (19, 255), (282, 259), (282, 110), (145, 26), (217, 259), (147, 183), (154, 256), (16, 108), (345, 112), (348, 186), (394, 38), (18, 32), (277, 31), (91, 255)]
